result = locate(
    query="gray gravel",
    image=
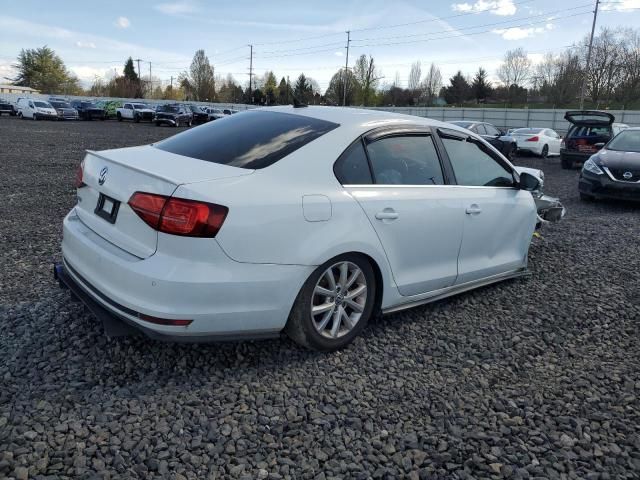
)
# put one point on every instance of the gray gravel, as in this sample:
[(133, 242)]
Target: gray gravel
[(535, 378)]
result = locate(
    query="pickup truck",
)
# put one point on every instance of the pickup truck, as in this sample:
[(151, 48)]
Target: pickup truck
[(135, 112)]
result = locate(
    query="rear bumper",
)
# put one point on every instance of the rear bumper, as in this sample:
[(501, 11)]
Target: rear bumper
[(601, 186), (224, 299), (575, 157)]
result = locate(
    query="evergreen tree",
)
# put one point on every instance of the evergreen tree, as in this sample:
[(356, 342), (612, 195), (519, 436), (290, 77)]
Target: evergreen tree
[(303, 90), (458, 90), (130, 71), (481, 87), (42, 69)]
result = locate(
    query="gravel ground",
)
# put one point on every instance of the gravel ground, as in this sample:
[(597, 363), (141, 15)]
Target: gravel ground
[(533, 378)]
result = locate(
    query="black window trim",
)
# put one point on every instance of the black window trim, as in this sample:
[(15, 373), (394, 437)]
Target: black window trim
[(483, 144)]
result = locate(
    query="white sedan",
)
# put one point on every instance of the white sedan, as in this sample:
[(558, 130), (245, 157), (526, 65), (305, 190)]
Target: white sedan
[(308, 220), (539, 141)]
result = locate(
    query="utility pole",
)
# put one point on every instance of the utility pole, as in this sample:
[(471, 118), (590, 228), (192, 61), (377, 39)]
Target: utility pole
[(346, 69), (251, 72), (150, 82), (138, 60), (586, 72), (171, 82)]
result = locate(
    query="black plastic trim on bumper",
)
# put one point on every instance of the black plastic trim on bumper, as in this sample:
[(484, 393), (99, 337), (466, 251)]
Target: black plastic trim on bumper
[(117, 325), (603, 187)]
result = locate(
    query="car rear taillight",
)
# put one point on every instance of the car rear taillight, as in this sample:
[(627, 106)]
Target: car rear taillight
[(533, 139), (179, 216), (79, 181)]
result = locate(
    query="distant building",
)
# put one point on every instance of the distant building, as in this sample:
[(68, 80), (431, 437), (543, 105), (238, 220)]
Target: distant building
[(17, 89)]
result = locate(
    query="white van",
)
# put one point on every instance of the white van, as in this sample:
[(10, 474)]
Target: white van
[(36, 109)]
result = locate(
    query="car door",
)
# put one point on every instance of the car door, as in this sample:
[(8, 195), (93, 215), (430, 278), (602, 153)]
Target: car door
[(499, 218), (400, 184)]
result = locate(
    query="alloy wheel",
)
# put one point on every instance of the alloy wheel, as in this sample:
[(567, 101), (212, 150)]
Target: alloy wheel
[(338, 299)]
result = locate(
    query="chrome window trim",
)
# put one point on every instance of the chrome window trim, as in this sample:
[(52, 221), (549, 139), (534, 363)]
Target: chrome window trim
[(375, 185)]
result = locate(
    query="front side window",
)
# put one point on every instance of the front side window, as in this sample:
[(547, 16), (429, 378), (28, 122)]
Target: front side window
[(252, 140), (405, 160), (491, 130), (479, 129), (473, 165), (352, 168)]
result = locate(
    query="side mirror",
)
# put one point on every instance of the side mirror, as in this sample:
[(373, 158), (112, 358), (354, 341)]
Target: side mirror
[(599, 144), (528, 182)]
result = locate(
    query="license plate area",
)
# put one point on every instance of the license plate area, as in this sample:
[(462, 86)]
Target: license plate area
[(107, 208)]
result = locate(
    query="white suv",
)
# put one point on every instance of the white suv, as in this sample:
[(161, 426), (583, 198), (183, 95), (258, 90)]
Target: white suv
[(36, 109)]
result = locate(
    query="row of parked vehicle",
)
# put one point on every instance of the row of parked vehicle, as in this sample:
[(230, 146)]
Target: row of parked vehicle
[(162, 114)]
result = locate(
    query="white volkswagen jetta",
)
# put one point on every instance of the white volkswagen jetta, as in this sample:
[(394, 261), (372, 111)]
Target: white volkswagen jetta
[(308, 219)]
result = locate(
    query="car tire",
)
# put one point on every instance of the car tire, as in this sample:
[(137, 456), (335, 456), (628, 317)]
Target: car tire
[(545, 152), (565, 163), (157, 124), (511, 153), (136, 119), (337, 323), (35, 116), (119, 116), (176, 123), (586, 197), (189, 123)]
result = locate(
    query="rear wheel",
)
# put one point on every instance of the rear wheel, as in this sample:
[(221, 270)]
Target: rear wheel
[(511, 153), (334, 305), (157, 124), (545, 151), (119, 116), (566, 163)]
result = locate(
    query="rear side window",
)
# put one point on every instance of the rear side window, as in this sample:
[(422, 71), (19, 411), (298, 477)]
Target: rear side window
[(250, 140), (405, 160), (352, 168)]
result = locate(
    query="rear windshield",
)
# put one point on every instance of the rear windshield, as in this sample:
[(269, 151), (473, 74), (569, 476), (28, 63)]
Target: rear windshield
[(463, 124), (580, 131), (526, 131), (250, 140), (626, 141)]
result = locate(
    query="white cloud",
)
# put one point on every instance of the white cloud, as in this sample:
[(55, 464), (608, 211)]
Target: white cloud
[(176, 8), (517, 33), (502, 8), (339, 54), (81, 44), (123, 22), (621, 5), (88, 74)]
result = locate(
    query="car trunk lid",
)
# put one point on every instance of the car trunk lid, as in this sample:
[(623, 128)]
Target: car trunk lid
[(112, 176), (589, 117)]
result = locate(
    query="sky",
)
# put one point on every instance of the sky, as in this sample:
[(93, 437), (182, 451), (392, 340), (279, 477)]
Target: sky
[(290, 37)]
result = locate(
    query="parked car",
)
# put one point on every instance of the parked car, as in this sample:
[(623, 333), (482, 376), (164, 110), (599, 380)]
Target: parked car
[(308, 219), (199, 115), (36, 109), (88, 110), (613, 172), (136, 112), (8, 108), (539, 141), (64, 109), (109, 106), (229, 111), (505, 144), (215, 113), (174, 114), (589, 128)]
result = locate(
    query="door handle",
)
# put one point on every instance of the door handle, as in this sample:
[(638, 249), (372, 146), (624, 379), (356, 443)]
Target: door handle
[(387, 214), (473, 209)]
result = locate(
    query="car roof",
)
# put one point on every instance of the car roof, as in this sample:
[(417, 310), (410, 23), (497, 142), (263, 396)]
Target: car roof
[(359, 119)]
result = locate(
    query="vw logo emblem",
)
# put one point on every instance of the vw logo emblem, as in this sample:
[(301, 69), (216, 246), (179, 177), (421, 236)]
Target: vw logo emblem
[(627, 175), (103, 175)]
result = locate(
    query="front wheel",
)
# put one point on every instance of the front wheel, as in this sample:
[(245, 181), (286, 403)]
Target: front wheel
[(119, 116), (334, 305), (136, 119), (35, 116)]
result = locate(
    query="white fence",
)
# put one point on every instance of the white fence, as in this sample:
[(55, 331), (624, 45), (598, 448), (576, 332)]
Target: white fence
[(500, 117), (509, 117)]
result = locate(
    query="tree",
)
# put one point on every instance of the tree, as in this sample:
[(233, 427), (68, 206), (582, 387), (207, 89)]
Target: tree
[(458, 90), (130, 71), (335, 93), (201, 80), (270, 87), (42, 69), (367, 77), (284, 92), (303, 91), (480, 86), (431, 84), (515, 68), (415, 74)]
